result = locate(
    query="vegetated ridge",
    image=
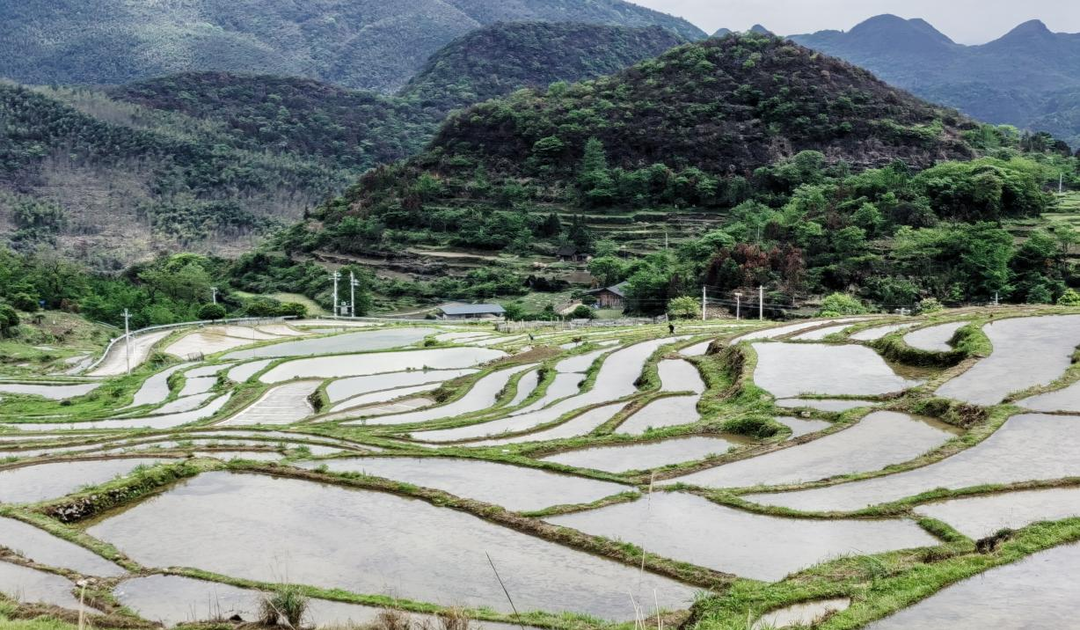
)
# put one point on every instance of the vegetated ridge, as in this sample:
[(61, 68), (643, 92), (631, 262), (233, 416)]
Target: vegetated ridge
[(496, 60), (1029, 77), (365, 44)]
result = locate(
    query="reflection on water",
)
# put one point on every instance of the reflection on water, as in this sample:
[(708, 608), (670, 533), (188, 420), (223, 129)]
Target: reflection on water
[(261, 528)]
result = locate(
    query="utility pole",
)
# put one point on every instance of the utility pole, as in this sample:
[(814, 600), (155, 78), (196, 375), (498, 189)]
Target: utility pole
[(702, 303), (352, 294), (213, 294), (738, 305), (127, 338), (761, 302), (336, 277)]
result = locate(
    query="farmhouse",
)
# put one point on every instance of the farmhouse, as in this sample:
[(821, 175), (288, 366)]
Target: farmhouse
[(610, 297)]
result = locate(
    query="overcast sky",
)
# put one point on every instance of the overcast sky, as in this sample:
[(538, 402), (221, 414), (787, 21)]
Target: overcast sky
[(966, 21)]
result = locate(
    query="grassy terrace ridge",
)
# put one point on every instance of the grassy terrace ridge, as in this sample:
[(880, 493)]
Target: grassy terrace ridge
[(732, 405)]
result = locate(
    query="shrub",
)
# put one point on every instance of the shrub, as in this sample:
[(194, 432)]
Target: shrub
[(1069, 298), (931, 305), (211, 312), (841, 304), (583, 312), (287, 601), (293, 309), (9, 319), (25, 302), (684, 308)]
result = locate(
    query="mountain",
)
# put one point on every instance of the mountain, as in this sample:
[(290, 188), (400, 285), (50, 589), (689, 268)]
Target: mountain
[(110, 182), (1017, 79), (368, 44), (722, 32), (729, 104), (689, 128), (345, 128), (760, 30), (496, 60)]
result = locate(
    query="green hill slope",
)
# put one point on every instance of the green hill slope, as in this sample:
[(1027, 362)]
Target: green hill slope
[(496, 60), (369, 44)]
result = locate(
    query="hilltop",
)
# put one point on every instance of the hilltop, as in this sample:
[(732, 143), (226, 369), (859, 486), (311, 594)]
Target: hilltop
[(366, 44), (1022, 78), (496, 60)]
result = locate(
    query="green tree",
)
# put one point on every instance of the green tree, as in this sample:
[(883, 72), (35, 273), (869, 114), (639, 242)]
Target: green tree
[(684, 307), (9, 320), (211, 312), (839, 304), (1069, 298)]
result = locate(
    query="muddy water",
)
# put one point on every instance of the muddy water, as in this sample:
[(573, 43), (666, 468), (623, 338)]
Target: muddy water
[(831, 406), (52, 392), (172, 600), (1065, 399), (156, 388), (800, 426), (978, 517), (619, 459), (341, 411), (366, 341), (561, 386), (934, 338), (262, 528), (1028, 351), (801, 615), (350, 387), (482, 395), (526, 385), (243, 372), (577, 426), (680, 376), (697, 350), (878, 440), (617, 378), (690, 528), (513, 487), (30, 484), (787, 370), (873, 334), (580, 363), (821, 333), (181, 405), (1038, 592), (44, 548), (780, 331), (1026, 448), (32, 586), (153, 422), (368, 364), (666, 412), (284, 404)]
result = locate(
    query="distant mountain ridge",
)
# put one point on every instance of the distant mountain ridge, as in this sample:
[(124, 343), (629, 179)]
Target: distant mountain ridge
[(1023, 78), (498, 59), (363, 44)]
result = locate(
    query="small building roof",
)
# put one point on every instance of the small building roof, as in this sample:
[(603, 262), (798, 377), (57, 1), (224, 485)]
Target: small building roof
[(472, 309), (618, 289), (567, 250)]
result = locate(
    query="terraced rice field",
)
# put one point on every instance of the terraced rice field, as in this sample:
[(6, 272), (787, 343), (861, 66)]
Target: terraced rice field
[(733, 478)]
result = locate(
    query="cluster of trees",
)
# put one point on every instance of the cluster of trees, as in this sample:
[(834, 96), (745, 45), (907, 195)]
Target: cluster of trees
[(168, 290)]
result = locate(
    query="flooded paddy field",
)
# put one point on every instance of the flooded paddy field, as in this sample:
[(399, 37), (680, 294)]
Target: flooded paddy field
[(588, 476)]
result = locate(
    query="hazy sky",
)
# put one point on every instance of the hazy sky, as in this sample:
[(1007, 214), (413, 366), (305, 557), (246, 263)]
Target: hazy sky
[(966, 21)]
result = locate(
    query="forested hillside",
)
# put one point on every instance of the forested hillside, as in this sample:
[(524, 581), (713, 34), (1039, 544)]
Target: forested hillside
[(809, 176), (346, 128), (109, 182), (1028, 77), (367, 44), (496, 60)]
